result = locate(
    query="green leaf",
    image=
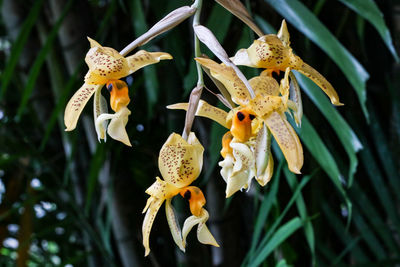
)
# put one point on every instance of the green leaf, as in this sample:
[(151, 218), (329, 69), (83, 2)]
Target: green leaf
[(346, 135), (280, 236), (322, 155), (266, 240), (19, 45), (301, 207), (379, 185), (269, 197), (349, 247), (370, 11), (40, 59), (342, 233), (381, 143), (370, 211), (306, 22), (368, 235)]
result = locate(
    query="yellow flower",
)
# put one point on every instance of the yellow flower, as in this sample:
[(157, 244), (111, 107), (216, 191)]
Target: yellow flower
[(107, 66), (273, 52), (180, 163), (246, 147)]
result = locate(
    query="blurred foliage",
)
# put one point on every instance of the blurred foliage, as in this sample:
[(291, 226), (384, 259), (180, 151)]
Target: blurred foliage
[(67, 200)]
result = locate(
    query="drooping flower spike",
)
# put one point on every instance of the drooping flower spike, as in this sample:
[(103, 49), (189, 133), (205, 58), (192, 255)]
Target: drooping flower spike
[(267, 107), (273, 52), (246, 147), (107, 66), (180, 163)]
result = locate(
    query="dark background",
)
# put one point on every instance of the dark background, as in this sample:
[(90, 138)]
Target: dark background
[(67, 199)]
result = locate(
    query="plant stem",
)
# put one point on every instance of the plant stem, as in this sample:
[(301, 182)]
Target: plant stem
[(196, 92)]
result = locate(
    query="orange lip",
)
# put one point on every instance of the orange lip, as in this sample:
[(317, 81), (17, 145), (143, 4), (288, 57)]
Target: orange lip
[(119, 94)]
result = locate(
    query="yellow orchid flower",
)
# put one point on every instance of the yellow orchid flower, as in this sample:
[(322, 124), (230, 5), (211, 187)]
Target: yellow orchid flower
[(107, 66), (273, 52), (246, 147), (180, 163)]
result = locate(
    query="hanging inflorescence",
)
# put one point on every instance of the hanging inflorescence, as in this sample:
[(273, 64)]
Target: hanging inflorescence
[(258, 109)]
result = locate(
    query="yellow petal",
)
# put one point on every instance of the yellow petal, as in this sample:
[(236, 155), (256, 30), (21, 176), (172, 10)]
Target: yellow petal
[(151, 213), (205, 110), (227, 166), (105, 64), (180, 162), (269, 52), (287, 140), (264, 85), (203, 234), (265, 177), (77, 103), (228, 77), (320, 80), (285, 85), (173, 225), (162, 189), (93, 43), (265, 105), (283, 34), (143, 58)]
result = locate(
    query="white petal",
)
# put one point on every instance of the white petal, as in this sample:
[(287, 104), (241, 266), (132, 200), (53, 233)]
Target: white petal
[(242, 58), (227, 167), (100, 107), (188, 225), (116, 129), (263, 142)]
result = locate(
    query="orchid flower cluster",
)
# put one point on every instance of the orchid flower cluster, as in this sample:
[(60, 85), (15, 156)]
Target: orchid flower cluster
[(258, 110)]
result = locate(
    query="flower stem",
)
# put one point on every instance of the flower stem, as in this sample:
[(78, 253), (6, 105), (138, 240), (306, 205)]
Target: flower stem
[(196, 92)]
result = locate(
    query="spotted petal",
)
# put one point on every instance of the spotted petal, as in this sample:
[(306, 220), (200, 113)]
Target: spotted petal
[(287, 140), (153, 206), (162, 189), (143, 58), (320, 80), (76, 104), (173, 225), (105, 63), (264, 84), (205, 110), (228, 77), (265, 105), (180, 161)]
